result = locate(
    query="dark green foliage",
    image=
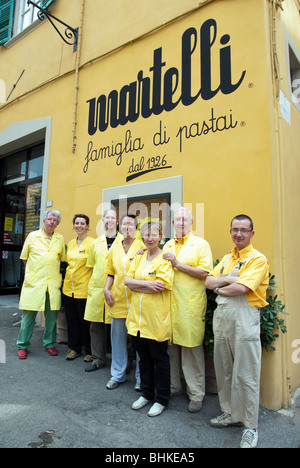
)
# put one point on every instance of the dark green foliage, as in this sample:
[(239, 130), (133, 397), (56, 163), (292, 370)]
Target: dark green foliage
[(271, 320)]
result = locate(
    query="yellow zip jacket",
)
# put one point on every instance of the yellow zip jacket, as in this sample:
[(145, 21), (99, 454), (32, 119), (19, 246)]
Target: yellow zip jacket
[(188, 304), (151, 313), (95, 305), (118, 264), (42, 274), (77, 273)]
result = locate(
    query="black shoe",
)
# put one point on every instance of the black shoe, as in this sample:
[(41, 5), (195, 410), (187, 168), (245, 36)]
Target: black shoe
[(92, 367)]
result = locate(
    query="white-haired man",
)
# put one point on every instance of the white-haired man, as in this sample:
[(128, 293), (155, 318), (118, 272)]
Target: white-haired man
[(191, 258), (42, 253)]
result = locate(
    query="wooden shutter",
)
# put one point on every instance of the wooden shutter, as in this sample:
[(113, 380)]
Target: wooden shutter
[(6, 19), (45, 3)]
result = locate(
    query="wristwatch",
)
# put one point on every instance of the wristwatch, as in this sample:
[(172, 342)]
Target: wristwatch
[(217, 290)]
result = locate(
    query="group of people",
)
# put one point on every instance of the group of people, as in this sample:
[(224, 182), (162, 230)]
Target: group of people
[(155, 300)]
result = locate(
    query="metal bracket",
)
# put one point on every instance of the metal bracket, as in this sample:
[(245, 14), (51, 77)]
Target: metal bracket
[(71, 34)]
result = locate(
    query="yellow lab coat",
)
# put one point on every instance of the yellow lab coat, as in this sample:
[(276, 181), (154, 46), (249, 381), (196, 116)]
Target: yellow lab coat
[(77, 273), (188, 298), (94, 310), (151, 313), (42, 274), (118, 264)]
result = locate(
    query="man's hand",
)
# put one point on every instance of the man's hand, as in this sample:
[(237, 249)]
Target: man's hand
[(189, 270), (171, 257)]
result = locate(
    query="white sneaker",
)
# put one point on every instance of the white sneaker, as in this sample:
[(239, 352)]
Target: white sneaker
[(140, 403), (111, 384), (155, 410), (137, 386), (249, 438)]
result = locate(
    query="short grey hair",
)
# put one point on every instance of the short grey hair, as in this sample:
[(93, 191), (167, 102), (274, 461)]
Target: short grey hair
[(148, 226), (53, 213), (182, 208)]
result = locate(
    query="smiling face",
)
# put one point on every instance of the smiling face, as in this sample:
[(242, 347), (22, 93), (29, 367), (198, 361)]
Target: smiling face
[(241, 233), (151, 238), (182, 223), (110, 220), (127, 227), (80, 226)]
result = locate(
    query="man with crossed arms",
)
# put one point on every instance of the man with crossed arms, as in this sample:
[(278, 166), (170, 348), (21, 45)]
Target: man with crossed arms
[(240, 280)]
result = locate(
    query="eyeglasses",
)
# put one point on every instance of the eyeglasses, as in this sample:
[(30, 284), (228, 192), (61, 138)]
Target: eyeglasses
[(242, 231)]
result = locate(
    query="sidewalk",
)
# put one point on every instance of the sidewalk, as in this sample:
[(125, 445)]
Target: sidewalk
[(50, 402)]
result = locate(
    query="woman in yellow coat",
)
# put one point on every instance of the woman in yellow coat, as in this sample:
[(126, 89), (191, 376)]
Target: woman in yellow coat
[(149, 320), (75, 289), (95, 312), (118, 296)]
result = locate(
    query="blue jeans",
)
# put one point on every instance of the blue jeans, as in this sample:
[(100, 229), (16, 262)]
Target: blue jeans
[(119, 351)]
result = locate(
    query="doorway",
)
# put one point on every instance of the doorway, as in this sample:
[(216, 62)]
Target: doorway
[(155, 199), (20, 205)]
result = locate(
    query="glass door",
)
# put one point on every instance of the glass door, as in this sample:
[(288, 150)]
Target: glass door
[(20, 205), (11, 243)]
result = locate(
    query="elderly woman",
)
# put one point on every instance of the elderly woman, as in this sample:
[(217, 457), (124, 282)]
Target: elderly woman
[(149, 320), (75, 289), (118, 296)]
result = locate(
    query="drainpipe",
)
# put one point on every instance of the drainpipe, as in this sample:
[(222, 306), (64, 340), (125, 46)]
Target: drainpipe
[(76, 86), (286, 372)]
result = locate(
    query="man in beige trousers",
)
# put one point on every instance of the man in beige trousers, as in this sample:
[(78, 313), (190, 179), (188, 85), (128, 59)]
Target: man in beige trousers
[(240, 280), (192, 261)]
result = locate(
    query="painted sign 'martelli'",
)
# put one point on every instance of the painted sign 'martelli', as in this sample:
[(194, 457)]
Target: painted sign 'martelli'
[(154, 94), (162, 89)]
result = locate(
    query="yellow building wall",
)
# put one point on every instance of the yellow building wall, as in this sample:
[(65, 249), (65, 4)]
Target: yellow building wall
[(225, 146), (284, 365)]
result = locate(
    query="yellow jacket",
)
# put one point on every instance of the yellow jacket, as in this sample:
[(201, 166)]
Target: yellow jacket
[(94, 310), (118, 264), (42, 274), (77, 273), (188, 305), (151, 313)]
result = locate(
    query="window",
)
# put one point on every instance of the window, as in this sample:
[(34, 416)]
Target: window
[(155, 199), (28, 14), (16, 16), (145, 208), (295, 78), (24, 165), (6, 19), (293, 63)]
